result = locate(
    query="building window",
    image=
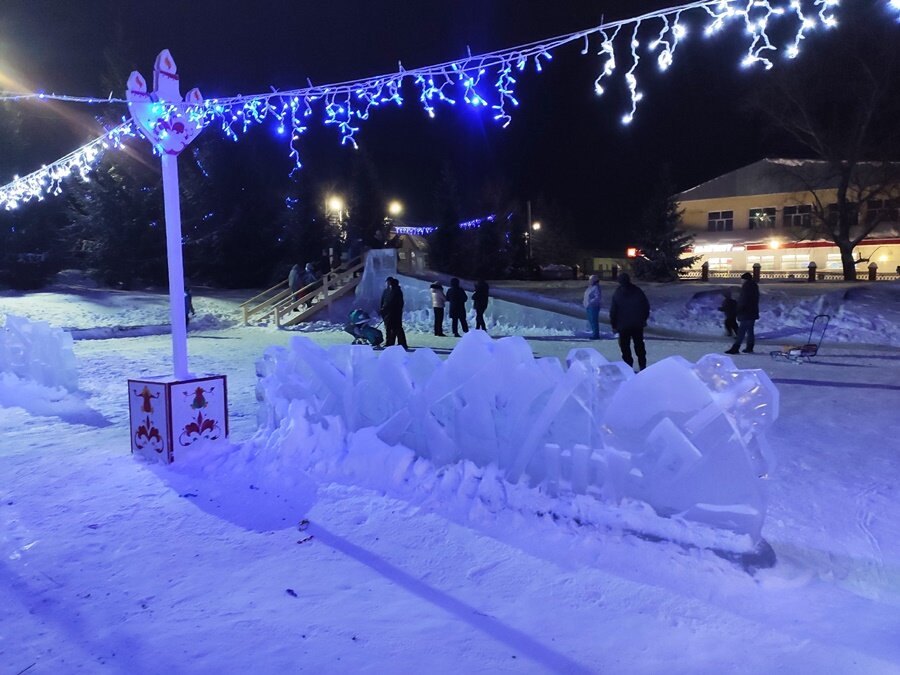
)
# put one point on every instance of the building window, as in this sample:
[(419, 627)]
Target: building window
[(881, 211), (766, 262), (762, 218), (720, 264), (720, 221), (797, 216), (832, 213), (795, 261)]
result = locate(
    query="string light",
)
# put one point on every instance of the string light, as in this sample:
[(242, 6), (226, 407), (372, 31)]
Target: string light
[(483, 81), (425, 230), (47, 180)]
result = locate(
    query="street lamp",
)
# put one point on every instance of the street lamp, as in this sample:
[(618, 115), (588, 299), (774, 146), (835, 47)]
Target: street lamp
[(395, 208), (535, 227), (335, 206)]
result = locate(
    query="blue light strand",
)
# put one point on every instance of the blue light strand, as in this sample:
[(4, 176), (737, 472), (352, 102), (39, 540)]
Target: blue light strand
[(486, 81), (425, 230)]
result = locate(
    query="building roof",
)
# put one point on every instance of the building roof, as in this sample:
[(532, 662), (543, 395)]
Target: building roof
[(775, 176)]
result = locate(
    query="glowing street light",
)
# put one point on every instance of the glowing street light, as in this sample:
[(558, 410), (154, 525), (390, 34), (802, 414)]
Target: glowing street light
[(536, 226), (395, 208), (335, 204)]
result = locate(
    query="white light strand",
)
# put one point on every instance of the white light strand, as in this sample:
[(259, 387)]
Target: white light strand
[(484, 81), (47, 180), (631, 78)]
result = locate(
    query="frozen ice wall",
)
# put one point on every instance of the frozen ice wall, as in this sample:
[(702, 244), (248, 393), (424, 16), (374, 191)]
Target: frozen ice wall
[(36, 352), (684, 438), (380, 264)]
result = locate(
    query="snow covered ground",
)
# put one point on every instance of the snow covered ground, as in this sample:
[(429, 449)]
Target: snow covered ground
[(111, 564)]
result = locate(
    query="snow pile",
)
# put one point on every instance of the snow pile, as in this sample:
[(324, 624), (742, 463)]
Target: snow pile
[(861, 313), (38, 372), (37, 352), (496, 425)]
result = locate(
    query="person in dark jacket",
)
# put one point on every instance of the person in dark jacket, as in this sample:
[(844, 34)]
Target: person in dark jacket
[(747, 314), (188, 307), (628, 314), (392, 313), (309, 275), (480, 303), (457, 298), (729, 307)]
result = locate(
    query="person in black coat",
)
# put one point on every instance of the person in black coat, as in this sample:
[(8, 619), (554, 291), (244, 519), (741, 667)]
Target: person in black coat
[(457, 298), (480, 303), (628, 314), (747, 314), (392, 313)]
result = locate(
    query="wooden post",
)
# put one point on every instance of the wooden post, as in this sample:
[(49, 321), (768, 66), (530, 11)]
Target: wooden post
[(873, 271), (704, 271), (812, 271), (756, 269)]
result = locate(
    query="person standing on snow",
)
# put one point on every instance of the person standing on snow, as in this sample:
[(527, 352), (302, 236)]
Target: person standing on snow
[(457, 298), (729, 307), (438, 300), (628, 314), (480, 303), (188, 307), (747, 314), (392, 313), (591, 302)]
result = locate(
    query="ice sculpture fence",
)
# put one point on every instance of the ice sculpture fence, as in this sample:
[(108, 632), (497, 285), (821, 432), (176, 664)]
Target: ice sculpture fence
[(687, 439)]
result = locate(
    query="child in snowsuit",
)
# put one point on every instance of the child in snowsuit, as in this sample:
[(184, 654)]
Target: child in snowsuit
[(729, 307)]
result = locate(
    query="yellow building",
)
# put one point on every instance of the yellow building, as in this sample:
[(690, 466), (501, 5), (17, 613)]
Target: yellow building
[(764, 213)]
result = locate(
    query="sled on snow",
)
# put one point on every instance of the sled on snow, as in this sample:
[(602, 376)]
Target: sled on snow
[(801, 353)]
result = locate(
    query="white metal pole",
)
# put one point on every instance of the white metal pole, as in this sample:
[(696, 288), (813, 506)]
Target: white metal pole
[(176, 266)]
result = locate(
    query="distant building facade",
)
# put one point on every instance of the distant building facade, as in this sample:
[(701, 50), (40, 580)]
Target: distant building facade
[(761, 212)]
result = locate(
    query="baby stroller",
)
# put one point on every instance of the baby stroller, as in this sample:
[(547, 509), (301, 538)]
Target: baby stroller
[(362, 327)]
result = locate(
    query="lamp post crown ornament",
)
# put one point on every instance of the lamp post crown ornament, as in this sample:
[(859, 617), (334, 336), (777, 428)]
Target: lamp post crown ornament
[(158, 113)]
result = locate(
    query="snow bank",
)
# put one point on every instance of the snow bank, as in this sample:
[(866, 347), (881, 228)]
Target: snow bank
[(38, 372), (675, 451), (860, 313), (35, 351)]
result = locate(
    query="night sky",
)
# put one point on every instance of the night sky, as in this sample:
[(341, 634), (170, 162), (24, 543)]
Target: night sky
[(564, 143)]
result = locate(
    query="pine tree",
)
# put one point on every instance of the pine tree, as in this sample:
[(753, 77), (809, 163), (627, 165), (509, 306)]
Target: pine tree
[(445, 243), (663, 245)]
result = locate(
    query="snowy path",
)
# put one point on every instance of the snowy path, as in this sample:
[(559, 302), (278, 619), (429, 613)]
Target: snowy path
[(107, 563)]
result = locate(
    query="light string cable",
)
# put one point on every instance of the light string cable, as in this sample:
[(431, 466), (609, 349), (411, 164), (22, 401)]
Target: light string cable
[(482, 81), (47, 180)]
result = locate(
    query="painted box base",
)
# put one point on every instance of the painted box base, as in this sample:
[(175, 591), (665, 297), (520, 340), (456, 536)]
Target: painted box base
[(169, 416)]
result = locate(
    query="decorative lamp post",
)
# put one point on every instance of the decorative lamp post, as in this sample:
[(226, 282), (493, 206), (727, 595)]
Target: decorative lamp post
[(172, 412)]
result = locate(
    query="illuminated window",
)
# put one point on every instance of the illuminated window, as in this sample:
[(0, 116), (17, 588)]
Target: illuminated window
[(766, 262), (720, 264), (833, 261), (720, 221), (761, 218), (797, 216), (794, 261)]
